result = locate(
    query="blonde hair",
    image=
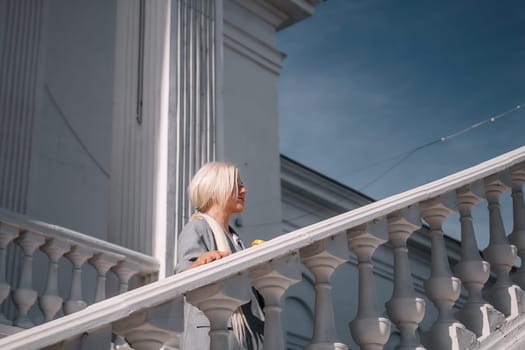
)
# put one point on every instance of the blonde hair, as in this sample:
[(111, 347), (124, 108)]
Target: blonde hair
[(214, 183)]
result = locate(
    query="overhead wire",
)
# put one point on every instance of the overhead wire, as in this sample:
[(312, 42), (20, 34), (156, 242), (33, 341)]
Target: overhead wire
[(407, 154)]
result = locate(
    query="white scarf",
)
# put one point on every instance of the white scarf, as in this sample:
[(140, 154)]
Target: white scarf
[(239, 323)]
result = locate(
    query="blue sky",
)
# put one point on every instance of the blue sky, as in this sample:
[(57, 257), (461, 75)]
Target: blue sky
[(365, 80)]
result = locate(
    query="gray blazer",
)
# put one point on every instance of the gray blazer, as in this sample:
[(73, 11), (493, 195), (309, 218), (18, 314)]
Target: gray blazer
[(195, 239)]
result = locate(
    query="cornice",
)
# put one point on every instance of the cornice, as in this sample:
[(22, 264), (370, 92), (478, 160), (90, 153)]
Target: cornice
[(280, 13), (318, 187), (263, 10), (297, 10), (252, 48)]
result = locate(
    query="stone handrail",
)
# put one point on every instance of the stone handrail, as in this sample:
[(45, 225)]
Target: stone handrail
[(60, 243), (218, 288)]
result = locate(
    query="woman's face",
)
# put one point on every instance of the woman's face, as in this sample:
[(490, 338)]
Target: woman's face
[(235, 204)]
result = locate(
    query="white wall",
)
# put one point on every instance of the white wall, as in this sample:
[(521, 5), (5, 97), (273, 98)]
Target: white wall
[(66, 186), (250, 122)]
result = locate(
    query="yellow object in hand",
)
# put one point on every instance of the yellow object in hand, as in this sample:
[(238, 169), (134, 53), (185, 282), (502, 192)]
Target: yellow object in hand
[(257, 242)]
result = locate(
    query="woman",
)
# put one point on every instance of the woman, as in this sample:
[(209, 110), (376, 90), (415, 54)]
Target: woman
[(217, 192)]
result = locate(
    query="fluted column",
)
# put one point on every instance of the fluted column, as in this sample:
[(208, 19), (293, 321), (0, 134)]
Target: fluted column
[(25, 296), (476, 314), (517, 237), (78, 257), (368, 329), (196, 94), (442, 288), (102, 263), (322, 258), (125, 270), (21, 83), (218, 301), (404, 308), (50, 302), (7, 234), (140, 116), (503, 295), (163, 120), (272, 280), (153, 328)]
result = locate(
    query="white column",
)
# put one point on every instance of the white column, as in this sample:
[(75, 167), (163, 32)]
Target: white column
[(164, 120), (517, 237), (25, 296), (195, 96), (503, 295), (218, 301), (20, 95), (404, 308), (272, 280), (368, 329), (22, 67), (140, 122), (442, 288), (476, 314), (51, 302), (78, 256), (322, 258)]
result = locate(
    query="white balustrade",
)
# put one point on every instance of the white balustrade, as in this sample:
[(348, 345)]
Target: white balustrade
[(475, 314), (125, 270), (102, 263), (152, 328), (60, 244), (51, 302), (7, 234), (503, 295), (368, 329), (142, 315), (25, 296), (322, 258), (78, 257), (404, 308), (517, 237), (218, 301), (442, 288), (272, 280)]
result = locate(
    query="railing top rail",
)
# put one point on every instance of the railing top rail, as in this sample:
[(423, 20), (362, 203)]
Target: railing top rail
[(162, 291), (148, 263)]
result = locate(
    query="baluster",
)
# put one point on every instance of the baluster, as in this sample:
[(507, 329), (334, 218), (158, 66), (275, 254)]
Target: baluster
[(125, 270), (7, 234), (50, 302), (25, 296), (102, 263), (404, 308), (218, 301), (272, 280), (368, 329), (476, 314), (154, 327), (322, 258), (77, 256), (517, 237), (442, 288), (503, 295)]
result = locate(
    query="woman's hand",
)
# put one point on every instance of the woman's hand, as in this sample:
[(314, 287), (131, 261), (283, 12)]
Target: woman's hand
[(208, 257)]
